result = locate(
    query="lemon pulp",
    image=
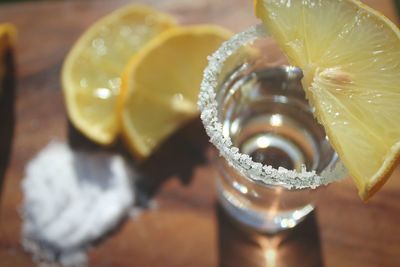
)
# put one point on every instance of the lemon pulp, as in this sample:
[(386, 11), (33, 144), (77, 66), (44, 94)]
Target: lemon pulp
[(160, 85), (91, 72)]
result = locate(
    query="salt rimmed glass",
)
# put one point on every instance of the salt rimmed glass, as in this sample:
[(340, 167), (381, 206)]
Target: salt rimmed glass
[(273, 156)]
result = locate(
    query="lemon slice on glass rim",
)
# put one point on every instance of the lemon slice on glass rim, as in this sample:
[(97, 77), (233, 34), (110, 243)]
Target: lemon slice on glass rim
[(350, 57), (160, 85), (91, 71)]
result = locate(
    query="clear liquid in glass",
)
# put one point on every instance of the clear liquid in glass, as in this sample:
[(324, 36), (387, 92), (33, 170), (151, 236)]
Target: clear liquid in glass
[(266, 115)]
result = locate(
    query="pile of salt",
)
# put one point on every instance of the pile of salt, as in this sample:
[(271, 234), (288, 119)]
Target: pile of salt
[(71, 199)]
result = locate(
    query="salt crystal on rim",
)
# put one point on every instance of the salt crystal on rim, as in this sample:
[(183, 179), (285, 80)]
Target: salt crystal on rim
[(243, 163)]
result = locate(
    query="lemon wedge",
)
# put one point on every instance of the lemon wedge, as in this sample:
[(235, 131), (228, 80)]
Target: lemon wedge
[(7, 39), (161, 83), (91, 71), (350, 57)]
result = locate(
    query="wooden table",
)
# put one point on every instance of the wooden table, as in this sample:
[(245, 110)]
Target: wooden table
[(186, 228)]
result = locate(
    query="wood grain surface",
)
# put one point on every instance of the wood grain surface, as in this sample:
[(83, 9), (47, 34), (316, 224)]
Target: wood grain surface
[(185, 227)]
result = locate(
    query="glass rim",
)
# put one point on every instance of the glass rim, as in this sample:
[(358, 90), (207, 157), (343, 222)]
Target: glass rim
[(243, 163)]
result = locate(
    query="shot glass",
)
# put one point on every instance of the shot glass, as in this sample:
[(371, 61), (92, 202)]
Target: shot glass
[(273, 155)]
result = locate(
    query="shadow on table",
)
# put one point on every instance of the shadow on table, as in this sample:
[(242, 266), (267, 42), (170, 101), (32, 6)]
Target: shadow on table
[(7, 115), (240, 246), (177, 157)]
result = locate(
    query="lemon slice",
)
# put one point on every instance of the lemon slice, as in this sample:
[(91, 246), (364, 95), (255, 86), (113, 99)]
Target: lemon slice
[(91, 72), (350, 56), (161, 83), (7, 39), (7, 93)]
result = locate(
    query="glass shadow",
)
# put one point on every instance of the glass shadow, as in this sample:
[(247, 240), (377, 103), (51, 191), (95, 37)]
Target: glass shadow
[(241, 246), (177, 156)]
